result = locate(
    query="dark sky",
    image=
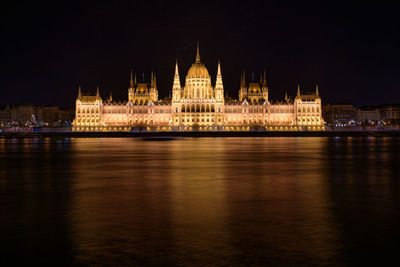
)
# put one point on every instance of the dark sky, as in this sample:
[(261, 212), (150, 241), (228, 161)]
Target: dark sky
[(350, 50)]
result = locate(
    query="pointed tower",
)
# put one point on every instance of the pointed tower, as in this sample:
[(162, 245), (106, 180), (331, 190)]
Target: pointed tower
[(131, 89), (286, 97), (131, 85), (153, 88), (219, 87), (98, 91), (264, 86), (298, 90), (176, 87), (243, 89), (110, 98), (316, 90), (79, 92)]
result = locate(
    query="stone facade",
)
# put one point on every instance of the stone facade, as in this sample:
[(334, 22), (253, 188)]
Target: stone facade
[(198, 106)]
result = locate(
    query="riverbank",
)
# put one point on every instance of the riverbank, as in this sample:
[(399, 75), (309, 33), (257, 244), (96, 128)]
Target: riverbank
[(201, 134)]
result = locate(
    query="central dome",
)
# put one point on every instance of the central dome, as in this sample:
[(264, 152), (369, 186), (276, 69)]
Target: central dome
[(198, 81), (198, 70)]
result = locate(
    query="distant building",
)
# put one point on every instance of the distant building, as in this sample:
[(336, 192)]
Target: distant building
[(390, 114), (368, 115), (339, 115), (7, 114), (31, 114)]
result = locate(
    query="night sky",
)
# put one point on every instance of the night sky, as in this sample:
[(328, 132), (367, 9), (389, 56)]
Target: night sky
[(350, 50)]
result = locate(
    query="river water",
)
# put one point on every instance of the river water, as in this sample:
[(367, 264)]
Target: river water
[(200, 201)]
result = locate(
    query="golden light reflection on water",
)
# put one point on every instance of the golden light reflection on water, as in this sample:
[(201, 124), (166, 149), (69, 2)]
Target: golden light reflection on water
[(196, 201), (206, 196)]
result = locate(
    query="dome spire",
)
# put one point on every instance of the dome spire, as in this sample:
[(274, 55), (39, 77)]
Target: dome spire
[(198, 53)]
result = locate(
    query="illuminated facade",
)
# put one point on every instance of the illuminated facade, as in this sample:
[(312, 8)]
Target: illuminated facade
[(198, 106)]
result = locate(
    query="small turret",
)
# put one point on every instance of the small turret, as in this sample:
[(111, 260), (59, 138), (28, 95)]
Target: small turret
[(110, 98), (98, 92), (286, 97), (298, 90), (316, 90)]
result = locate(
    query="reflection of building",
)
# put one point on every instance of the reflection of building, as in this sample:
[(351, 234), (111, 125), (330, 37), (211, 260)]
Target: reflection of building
[(339, 115), (198, 105), (390, 114), (369, 115), (23, 114)]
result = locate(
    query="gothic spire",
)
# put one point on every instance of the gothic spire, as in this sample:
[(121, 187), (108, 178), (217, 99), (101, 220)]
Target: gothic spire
[(131, 80), (298, 90), (110, 97), (135, 81), (98, 91), (316, 90), (265, 79), (177, 82), (176, 68), (198, 53), (243, 80), (286, 97), (79, 92), (218, 82)]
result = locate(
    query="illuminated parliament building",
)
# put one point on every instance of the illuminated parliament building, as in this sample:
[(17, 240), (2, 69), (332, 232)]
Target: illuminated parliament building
[(198, 106)]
